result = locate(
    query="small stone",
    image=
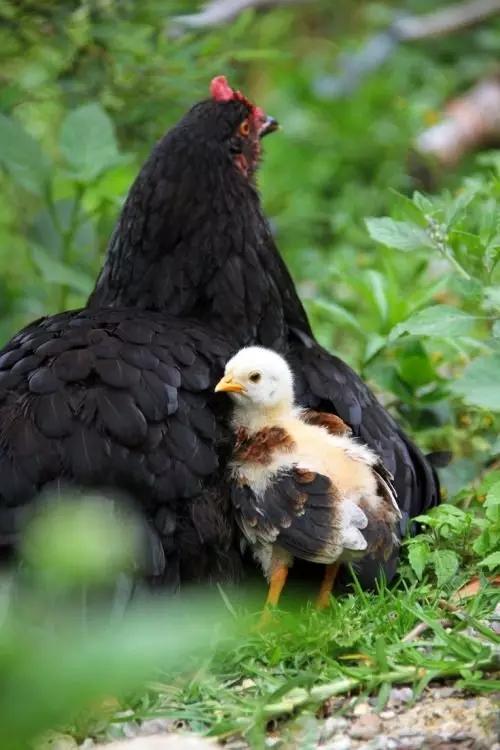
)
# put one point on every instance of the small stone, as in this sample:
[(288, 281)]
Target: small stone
[(366, 727), (155, 726), (331, 726), (87, 744), (338, 743), (400, 695), (163, 742), (245, 684), (444, 692), (436, 742), (413, 741), (361, 709), (470, 703), (449, 730), (382, 742), (495, 626), (57, 741), (387, 715), (272, 741), (130, 730)]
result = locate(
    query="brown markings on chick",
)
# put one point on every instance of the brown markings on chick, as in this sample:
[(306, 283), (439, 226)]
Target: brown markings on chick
[(259, 447), (304, 476), (331, 422)]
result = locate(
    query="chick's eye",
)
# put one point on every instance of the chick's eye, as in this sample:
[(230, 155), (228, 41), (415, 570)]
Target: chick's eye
[(255, 377), (244, 128)]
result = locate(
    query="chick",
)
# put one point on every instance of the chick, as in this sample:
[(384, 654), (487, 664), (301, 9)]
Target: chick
[(301, 485)]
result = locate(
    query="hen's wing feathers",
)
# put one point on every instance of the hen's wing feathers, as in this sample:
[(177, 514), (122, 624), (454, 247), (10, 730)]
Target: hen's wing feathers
[(118, 399)]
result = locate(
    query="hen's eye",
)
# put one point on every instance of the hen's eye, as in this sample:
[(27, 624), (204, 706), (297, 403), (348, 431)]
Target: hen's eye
[(255, 377), (244, 128)]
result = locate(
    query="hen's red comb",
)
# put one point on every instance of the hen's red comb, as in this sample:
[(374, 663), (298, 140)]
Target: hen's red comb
[(221, 91)]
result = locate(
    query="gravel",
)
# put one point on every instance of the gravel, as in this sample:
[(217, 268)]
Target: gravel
[(366, 727), (441, 719)]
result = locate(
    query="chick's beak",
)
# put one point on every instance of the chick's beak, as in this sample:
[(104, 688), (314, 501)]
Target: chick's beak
[(229, 385), (270, 125)]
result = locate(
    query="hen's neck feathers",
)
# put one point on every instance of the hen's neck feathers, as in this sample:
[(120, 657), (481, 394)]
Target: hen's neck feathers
[(193, 241)]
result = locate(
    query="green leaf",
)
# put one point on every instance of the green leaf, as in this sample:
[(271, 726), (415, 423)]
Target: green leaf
[(479, 384), (400, 235), (87, 141), (460, 203), (492, 297), (488, 540), (418, 555), (492, 506), (445, 564), (414, 365), (23, 157), (492, 562), (377, 286), (337, 312), (437, 320), (422, 202), (450, 516), (493, 496), (373, 346), (55, 272)]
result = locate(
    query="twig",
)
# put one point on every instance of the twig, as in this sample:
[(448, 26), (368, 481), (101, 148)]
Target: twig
[(219, 12), (379, 47), (446, 21), (469, 122), (421, 628), (298, 697)]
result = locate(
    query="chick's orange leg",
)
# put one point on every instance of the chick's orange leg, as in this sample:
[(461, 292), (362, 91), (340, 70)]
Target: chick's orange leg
[(327, 585), (276, 584)]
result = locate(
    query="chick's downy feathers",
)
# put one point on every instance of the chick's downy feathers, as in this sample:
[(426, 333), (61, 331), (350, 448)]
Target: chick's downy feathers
[(300, 481)]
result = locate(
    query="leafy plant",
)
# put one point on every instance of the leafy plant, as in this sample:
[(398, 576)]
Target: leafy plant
[(454, 540)]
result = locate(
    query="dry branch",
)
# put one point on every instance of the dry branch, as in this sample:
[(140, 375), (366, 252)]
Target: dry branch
[(446, 21), (219, 12), (470, 122), (378, 48)]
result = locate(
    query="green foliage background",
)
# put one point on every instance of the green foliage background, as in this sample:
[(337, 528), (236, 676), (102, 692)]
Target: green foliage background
[(403, 286), (89, 86)]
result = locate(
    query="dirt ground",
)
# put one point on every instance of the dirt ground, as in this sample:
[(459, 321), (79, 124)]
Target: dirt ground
[(443, 719)]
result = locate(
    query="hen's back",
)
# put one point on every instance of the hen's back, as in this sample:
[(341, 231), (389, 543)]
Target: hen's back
[(120, 400)]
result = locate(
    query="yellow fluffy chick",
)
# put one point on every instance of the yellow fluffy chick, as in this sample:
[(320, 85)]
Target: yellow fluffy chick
[(301, 485)]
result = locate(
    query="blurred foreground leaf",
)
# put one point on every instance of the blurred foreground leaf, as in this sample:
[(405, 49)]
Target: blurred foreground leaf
[(61, 654)]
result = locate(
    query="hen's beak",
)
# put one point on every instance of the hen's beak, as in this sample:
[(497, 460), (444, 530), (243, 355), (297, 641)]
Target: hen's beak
[(229, 385), (270, 125)]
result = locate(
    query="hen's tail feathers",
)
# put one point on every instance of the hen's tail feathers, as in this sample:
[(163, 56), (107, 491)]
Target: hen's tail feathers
[(439, 459)]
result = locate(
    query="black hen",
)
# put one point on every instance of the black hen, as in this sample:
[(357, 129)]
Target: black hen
[(119, 395)]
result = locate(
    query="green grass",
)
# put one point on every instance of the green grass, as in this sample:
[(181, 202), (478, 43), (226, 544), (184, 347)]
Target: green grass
[(306, 657), (213, 668)]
